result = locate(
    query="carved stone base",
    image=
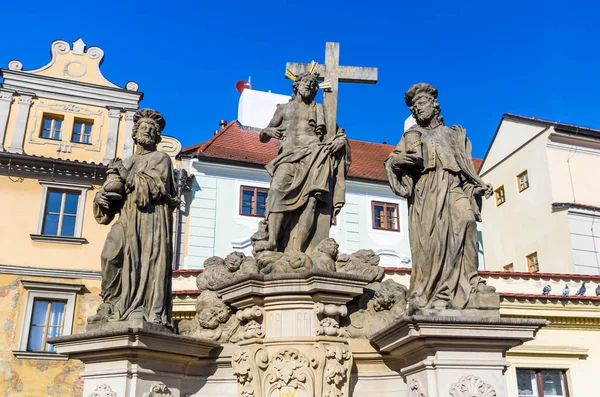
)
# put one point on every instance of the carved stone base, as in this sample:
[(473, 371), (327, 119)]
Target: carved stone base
[(454, 356), (134, 362)]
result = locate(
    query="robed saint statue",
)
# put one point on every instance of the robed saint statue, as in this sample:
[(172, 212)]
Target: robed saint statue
[(140, 192), (432, 168)]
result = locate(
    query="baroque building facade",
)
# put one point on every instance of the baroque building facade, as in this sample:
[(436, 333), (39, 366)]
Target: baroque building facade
[(60, 125)]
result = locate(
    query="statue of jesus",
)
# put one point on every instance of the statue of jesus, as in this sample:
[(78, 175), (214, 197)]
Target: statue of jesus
[(308, 175)]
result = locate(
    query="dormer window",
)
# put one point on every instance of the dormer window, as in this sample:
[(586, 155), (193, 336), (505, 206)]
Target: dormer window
[(82, 131), (51, 127)]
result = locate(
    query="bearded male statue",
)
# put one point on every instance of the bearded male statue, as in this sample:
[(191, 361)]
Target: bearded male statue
[(137, 255), (308, 175), (432, 168)]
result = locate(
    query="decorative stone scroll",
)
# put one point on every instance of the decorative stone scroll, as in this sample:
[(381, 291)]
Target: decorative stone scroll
[(416, 389), (472, 386), (158, 389)]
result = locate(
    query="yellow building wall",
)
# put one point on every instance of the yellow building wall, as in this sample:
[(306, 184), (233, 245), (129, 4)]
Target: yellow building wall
[(34, 378), (20, 206), (38, 146)]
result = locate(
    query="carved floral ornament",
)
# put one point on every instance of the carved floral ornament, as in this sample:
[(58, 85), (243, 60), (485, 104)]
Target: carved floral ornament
[(472, 386), (322, 372), (103, 390), (417, 389)]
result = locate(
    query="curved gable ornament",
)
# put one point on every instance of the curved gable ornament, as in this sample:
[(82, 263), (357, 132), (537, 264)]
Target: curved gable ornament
[(74, 63), (170, 146), (472, 386)]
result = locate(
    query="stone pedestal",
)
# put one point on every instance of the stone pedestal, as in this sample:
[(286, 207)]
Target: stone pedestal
[(134, 362), (293, 345), (454, 356)]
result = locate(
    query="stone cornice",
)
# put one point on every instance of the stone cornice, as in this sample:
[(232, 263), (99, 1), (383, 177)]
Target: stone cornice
[(68, 90), (27, 166), (53, 273)]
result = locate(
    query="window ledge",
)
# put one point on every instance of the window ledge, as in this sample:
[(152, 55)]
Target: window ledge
[(39, 355), (58, 239)]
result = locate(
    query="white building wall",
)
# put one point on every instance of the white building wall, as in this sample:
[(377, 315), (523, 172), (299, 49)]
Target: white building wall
[(217, 228), (526, 222), (584, 228), (256, 108), (573, 164)]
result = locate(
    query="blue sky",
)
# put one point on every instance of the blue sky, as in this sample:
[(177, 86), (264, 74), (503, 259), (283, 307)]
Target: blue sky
[(533, 58)]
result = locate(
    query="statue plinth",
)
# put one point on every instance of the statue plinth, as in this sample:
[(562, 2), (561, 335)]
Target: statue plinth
[(454, 356), (134, 362), (292, 342)]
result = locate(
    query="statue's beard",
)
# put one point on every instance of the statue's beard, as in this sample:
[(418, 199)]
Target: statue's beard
[(425, 118), (145, 140), (306, 94)]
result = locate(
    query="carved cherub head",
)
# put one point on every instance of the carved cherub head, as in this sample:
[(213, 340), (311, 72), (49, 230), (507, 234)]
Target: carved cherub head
[(147, 128), (421, 98), (234, 260), (329, 247)]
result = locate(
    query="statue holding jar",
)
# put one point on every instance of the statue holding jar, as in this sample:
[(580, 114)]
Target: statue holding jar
[(432, 168)]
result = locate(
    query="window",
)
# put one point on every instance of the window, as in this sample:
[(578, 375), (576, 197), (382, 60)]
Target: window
[(385, 216), (82, 131), (532, 263), (509, 268), (253, 201), (523, 181), (500, 198), (542, 383), (51, 127), (61, 213), (47, 321), (49, 312)]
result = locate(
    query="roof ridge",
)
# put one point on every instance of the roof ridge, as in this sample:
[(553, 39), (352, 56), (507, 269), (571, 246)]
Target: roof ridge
[(544, 121)]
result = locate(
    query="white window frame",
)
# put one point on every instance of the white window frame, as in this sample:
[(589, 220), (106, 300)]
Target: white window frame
[(47, 291), (74, 187)]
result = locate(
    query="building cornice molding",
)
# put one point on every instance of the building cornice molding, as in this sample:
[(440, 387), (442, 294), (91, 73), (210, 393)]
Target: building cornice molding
[(69, 90), (46, 286), (51, 273), (27, 166)]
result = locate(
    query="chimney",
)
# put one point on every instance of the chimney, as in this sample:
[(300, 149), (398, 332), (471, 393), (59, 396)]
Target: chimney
[(222, 123)]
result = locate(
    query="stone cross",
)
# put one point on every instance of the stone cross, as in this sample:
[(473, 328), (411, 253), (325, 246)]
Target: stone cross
[(334, 73)]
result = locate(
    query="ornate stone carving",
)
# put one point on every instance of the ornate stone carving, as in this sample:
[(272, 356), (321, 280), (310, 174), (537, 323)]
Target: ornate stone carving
[(324, 371), (328, 319), (95, 53), (377, 307), (169, 145), (417, 389), (252, 319), (132, 86), (15, 65), (103, 390), (290, 368), (158, 389), (363, 262), (213, 320), (60, 47), (248, 364), (70, 107), (472, 386)]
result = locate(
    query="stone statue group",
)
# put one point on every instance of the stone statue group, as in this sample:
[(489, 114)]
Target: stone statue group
[(431, 167)]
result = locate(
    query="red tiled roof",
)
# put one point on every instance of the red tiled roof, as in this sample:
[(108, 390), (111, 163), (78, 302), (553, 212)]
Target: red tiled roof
[(236, 142)]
